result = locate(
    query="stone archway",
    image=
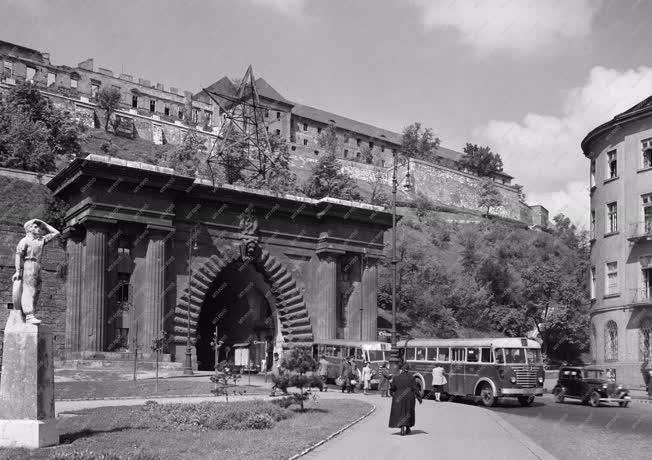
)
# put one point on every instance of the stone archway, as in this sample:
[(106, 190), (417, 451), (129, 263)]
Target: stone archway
[(291, 309)]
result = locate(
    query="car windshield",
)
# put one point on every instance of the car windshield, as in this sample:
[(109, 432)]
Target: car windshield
[(594, 374), (514, 355), (534, 356)]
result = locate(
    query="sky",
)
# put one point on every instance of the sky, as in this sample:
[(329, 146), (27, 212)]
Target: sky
[(529, 78)]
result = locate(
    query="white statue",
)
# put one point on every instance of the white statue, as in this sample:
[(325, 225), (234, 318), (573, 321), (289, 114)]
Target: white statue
[(27, 279)]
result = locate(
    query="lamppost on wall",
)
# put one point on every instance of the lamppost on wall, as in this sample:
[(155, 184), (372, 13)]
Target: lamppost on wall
[(192, 246), (394, 360)]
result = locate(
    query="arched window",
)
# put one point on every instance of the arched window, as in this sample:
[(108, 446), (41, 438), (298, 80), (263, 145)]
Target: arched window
[(645, 334), (611, 341)]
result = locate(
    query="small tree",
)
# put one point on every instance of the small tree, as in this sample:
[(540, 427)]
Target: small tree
[(185, 159), (480, 160), (419, 143), (327, 179), (298, 362), (224, 378), (328, 141), (158, 344), (489, 195), (108, 99)]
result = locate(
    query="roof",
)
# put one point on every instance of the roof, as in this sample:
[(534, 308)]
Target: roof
[(265, 90), (489, 341), (328, 118)]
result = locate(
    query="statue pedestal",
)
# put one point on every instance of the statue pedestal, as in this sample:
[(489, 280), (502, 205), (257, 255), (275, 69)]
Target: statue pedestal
[(27, 386)]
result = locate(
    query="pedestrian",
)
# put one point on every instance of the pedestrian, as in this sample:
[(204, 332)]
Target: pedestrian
[(355, 376), (385, 376), (438, 381), (405, 392), (323, 372), (346, 374), (366, 377), (278, 376)]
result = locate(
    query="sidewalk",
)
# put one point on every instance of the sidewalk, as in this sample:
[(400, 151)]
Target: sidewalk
[(443, 430)]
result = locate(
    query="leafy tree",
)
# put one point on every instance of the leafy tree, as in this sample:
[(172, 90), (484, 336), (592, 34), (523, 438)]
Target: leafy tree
[(378, 194), (419, 143), (299, 362), (33, 132), (366, 154), (329, 141), (186, 158), (480, 160), (108, 99), (489, 195), (327, 179), (278, 176)]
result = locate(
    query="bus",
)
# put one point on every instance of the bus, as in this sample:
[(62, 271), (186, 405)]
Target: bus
[(487, 369), (337, 350)]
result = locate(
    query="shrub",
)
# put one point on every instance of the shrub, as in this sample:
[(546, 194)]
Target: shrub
[(258, 422)]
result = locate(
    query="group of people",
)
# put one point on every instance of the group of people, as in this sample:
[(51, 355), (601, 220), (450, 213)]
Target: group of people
[(350, 376)]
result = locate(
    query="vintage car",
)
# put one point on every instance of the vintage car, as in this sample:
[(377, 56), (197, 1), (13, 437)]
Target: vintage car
[(591, 385)]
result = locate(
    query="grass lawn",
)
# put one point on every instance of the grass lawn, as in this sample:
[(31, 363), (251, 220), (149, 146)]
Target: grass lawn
[(144, 388), (108, 432)]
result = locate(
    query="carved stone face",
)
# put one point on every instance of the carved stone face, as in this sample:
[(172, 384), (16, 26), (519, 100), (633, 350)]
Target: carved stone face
[(250, 249)]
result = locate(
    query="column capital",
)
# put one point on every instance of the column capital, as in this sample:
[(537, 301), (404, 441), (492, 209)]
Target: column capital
[(330, 255), (75, 232)]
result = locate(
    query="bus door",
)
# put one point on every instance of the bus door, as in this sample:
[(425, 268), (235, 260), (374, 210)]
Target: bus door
[(471, 369), (456, 380)]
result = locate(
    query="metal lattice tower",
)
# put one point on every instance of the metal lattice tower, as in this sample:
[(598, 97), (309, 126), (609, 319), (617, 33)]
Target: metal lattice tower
[(243, 150)]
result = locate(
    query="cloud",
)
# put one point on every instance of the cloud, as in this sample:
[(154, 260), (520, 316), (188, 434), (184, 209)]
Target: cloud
[(520, 26), (543, 151), (294, 9)]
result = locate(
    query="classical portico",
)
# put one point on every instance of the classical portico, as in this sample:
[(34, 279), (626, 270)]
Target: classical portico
[(149, 251)]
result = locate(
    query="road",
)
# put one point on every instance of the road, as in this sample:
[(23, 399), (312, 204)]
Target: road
[(574, 431)]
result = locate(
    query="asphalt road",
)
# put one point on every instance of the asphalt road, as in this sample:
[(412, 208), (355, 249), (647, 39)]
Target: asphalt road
[(574, 431)]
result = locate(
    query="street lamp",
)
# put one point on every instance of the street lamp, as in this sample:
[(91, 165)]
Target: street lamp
[(394, 359), (187, 365)]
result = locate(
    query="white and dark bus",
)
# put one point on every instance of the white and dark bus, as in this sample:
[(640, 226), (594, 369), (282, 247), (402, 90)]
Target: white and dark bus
[(488, 368)]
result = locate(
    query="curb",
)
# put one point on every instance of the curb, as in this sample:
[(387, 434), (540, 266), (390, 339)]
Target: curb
[(538, 451), (328, 438), (120, 398)]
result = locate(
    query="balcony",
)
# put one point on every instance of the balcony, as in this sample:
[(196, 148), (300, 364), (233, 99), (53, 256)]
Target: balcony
[(640, 231), (641, 296)]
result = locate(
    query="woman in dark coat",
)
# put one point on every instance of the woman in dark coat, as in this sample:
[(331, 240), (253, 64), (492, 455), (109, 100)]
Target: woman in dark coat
[(404, 393)]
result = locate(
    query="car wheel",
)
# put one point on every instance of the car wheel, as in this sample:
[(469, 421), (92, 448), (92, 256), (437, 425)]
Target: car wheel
[(594, 399), (558, 393), (487, 396), (525, 401), (623, 403)]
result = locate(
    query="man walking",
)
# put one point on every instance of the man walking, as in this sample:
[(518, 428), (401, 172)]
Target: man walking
[(404, 393), (323, 372), (438, 381), (346, 373)]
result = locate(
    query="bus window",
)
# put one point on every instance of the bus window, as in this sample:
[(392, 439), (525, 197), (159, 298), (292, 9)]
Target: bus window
[(534, 356), (515, 355), (472, 355), (432, 354), (485, 355), (444, 354), (421, 354), (458, 354), (500, 356), (358, 353), (409, 355), (375, 355)]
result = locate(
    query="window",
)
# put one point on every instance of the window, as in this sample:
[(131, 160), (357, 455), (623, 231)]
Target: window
[(166, 110), (208, 117), (645, 331), (514, 355), (647, 212), (30, 73), (592, 175), (500, 356), (534, 356), (122, 293), (592, 282), (594, 343), (152, 105), (371, 145), (472, 355), (266, 113), (9, 69), (278, 115), (592, 226), (195, 115), (612, 217), (410, 354), (357, 155), (73, 83), (485, 355), (611, 341), (278, 132), (421, 354), (346, 153), (432, 354), (305, 126), (180, 114), (134, 101), (382, 162), (51, 79), (612, 165), (305, 142), (357, 142), (646, 147), (318, 130), (95, 87), (382, 148), (646, 277), (612, 278), (457, 354), (444, 354), (358, 353)]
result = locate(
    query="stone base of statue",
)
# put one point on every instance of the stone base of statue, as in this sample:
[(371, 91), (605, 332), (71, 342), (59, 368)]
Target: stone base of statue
[(27, 386)]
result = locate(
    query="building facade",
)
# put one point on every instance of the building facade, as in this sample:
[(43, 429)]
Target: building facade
[(620, 154)]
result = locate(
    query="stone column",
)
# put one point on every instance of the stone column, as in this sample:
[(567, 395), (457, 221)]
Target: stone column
[(326, 321), (154, 300), (75, 251), (93, 298), (370, 305)]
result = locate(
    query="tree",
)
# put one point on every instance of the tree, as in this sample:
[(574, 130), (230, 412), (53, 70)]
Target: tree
[(378, 194), (327, 179), (34, 134), (366, 154), (186, 158), (480, 160), (108, 99), (419, 143), (489, 195), (329, 141), (298, 362)]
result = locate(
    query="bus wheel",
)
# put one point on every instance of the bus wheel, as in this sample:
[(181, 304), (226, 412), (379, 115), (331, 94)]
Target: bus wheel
[(525, 401), (487, 396)]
